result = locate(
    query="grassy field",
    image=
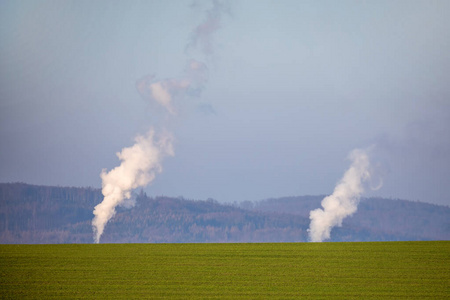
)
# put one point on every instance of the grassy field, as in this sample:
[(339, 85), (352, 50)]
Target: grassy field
[(342, 270)]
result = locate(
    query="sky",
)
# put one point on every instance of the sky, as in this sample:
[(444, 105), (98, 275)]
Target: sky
[(292, 88)]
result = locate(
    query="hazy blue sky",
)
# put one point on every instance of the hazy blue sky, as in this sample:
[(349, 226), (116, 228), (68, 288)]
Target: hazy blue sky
[(293, 87)]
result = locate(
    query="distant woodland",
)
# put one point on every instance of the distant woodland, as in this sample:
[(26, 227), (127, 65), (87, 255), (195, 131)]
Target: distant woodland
[(42, 214)]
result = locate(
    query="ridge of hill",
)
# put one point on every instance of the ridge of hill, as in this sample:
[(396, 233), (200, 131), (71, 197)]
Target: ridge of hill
[(43, 214)]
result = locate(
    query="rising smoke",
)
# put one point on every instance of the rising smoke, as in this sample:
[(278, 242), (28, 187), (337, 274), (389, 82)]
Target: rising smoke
[(141, 162), (344, 200)]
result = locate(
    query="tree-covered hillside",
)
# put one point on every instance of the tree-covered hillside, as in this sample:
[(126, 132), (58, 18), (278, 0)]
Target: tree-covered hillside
[(42, 214), (404, 219)]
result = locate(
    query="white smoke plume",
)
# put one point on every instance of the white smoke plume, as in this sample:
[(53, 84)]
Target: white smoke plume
[(139, 165), (344, 200)]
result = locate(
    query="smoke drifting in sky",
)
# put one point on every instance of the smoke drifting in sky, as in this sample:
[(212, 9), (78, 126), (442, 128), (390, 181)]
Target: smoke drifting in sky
[(202, 35), (195, 74), (165, 91), (140, 164), (344, 200)]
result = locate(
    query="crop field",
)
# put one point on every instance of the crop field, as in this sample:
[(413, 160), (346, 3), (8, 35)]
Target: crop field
[(339, 270)]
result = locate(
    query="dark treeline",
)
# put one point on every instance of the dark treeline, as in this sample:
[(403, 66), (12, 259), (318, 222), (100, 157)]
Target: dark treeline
[(42, 214)]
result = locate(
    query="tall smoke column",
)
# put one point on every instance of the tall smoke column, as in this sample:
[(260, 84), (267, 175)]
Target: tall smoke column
[(344, 200), (142, 161), (139, 165)]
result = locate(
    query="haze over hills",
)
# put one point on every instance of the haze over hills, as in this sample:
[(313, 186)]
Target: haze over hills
[(43, 214)]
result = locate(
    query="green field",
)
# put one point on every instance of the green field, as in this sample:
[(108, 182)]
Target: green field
[(342, 270)]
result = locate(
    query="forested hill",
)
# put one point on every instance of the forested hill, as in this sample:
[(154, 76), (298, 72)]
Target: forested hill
[(42, 214), (400, 218)]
